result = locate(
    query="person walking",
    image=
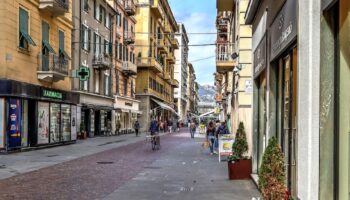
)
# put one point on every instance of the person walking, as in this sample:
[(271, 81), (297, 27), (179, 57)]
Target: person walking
[(170, 125), (192, 128), (178, 126), (137, 127), (117, 127), (210, 136), (153, 128)]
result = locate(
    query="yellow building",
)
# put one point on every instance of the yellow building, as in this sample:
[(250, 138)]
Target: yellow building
[(234, 64), (35, 42), (155, 59)]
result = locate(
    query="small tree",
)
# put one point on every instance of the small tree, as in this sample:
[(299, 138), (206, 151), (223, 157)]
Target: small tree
[(272, 172), (240, 146)]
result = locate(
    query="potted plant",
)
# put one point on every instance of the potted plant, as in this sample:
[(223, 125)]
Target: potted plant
[(272, 173), (239, 166), (82, 132)]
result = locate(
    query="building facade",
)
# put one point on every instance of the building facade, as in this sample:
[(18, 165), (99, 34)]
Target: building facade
[(191, 92), (180, 72), (155, 61), (37, 106), (234, 66), (125, 69), (93, 54)]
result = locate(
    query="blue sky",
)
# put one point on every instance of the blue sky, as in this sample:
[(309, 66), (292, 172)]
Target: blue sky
[(199, 16)]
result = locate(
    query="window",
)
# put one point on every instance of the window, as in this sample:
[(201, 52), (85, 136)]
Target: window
[(120, 51), (132, 88), (102, 17), (86, 5), (117, 82), (46, 47), (106, 86), (119, 19), (108, 21), (97, 45), (24, 38), (116, 49), (97, 11), (85, 38), (97, 81), (125, 86)]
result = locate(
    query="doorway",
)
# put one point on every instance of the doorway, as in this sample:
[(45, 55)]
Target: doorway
[(262, 119), (288, 78)]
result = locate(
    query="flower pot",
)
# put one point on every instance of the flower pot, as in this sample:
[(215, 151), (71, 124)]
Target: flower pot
[(240, 169)]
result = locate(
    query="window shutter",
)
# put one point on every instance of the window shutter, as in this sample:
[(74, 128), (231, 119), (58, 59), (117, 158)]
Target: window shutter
[(95, 42), (116, 49), (45, 31), (127, 54), (82, 36), (61, 40), (110, 46), (95, 10), (120, 51), (23, 20), (89, 39)]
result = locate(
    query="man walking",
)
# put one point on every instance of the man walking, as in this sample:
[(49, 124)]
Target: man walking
[(137, 127), (170, 125), (192, 128)]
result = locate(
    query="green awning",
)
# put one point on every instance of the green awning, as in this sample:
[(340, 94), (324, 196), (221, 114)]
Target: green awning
[(62, 52), (27, 38), (48, 46)]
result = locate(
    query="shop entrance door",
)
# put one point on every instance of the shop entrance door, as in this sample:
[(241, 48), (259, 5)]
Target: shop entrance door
[(262, 118), (289, 115)]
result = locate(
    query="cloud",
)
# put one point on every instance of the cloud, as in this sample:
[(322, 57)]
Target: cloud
[(200, 19)]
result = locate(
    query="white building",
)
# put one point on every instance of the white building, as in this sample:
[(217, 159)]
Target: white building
[(180, 72)]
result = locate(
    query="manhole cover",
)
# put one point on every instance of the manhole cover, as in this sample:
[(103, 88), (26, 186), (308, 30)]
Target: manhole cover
[(150, 167), (50, 156), (104, 163)]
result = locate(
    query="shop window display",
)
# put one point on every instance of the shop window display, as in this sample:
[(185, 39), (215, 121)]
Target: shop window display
[(55, 115), (66, 123), (43, 122)]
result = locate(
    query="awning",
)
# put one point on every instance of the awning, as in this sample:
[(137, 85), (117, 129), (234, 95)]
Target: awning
[(48, 46), (207, 113), (165, 106), (27, 38)]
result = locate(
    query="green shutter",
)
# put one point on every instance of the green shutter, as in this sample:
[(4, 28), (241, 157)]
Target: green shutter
[(95, 42), (23, 20), (61, 40), (45, 31), (89, 39), (82, 36), (110, 48)]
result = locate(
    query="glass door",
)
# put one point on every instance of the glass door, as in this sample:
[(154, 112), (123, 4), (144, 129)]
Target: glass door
[(262, 118)]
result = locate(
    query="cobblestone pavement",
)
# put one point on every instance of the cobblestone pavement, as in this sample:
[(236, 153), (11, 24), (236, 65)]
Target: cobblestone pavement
[(180, 170)]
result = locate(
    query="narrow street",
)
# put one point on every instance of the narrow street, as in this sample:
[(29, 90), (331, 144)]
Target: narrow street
[(123, 168)]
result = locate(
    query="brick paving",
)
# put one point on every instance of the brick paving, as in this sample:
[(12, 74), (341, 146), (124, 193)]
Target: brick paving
[(85, 178)]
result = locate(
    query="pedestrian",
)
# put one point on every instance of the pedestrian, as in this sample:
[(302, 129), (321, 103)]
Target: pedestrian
[(210, 136), (109, 128), (153, 127), (137, 127), (161, 126), (192, 128), (117, 127), (170, 125), (178, 126), (222, 129)]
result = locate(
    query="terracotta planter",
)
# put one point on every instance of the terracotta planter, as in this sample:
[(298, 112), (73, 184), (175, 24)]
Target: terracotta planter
[(240, 169)]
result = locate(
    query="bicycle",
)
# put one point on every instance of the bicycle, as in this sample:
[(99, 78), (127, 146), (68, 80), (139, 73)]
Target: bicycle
[(155, 141)]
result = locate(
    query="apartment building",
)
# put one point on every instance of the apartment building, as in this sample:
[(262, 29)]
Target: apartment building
[(92, 53), (155, 60), (191, 80), (180, 72), (124, 62), (37, 106)]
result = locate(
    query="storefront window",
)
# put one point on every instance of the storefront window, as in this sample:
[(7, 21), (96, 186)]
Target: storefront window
[(66, 123), (55, 115), (2, 121), (43, 122), (74, 123), (92, 121), (103, 120)]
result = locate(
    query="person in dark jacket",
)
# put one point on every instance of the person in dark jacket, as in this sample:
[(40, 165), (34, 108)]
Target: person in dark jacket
[(137, 127), (153, 127)]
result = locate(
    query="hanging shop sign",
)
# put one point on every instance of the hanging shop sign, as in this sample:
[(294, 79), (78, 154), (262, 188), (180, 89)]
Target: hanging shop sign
[(14, 123), (283, 30), (43, 122), (74, 123), (260, 58), (52, 94), (2, 122)]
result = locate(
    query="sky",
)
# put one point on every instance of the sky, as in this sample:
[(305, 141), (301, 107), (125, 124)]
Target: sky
[(199, 17)]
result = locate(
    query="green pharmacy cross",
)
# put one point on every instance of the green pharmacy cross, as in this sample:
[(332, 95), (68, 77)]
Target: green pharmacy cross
[(83, 73)]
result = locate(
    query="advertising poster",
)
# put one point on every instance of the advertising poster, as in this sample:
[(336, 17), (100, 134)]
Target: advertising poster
[(66, 122), (74, 123), (14, 123), (2, 122), (225, 146), (43, 122), (55, 121)]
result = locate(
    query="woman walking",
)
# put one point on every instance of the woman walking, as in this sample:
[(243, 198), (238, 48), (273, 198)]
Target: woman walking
[(211, 136)]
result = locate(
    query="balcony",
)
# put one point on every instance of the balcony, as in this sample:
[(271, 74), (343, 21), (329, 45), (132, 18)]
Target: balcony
[(166, 76), (222, 26), (224, 60), (175, 83), (102, 62), (225, 5), (129, 68), (171, 58), (130, 7), (167, 28), (129, 37), (150, 63), (51, 68), (55, 7), (161, 46), (175, 43), (157, 8)]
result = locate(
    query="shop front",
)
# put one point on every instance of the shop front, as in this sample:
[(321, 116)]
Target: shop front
[(283, 61), (127, 112), (96, 114), (32, 116)]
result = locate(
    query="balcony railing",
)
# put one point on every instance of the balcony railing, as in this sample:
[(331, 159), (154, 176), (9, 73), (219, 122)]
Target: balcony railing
[(129, 68), (150, 62), (52, 68), (102, 61), (224, 52), (129, 37), (157, 7), (56, 7), (130, 7)]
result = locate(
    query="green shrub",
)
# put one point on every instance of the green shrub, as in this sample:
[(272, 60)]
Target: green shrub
[(272, 172), (240, 146)]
